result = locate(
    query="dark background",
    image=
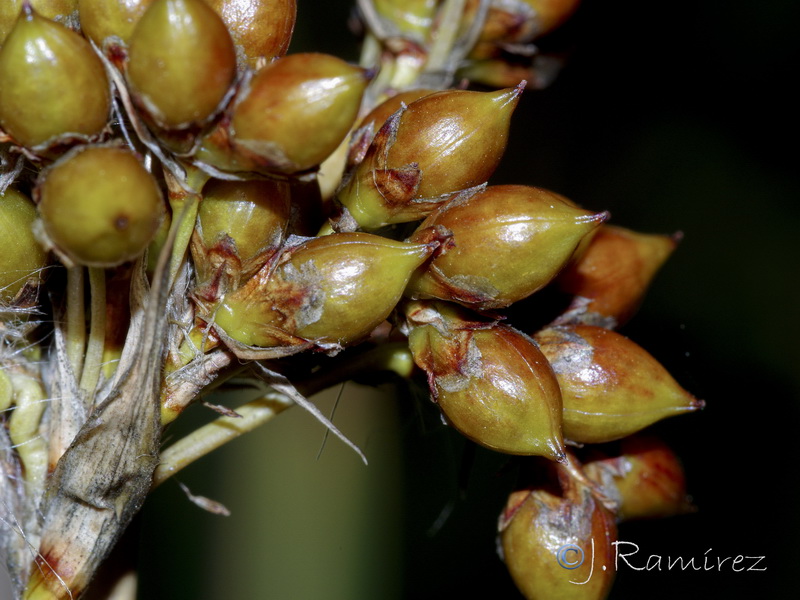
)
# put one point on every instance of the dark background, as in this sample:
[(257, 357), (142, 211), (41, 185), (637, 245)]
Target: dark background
[(672, 117)]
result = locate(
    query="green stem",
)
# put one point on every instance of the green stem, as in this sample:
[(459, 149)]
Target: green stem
[(76, 320), (184, 200), (392, 357), (93, 362)]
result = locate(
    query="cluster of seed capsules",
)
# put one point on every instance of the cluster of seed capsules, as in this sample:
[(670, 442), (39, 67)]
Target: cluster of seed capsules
[(319, 220)]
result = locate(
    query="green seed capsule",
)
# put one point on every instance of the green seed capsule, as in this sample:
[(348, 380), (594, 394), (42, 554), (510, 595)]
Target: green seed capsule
[(22, 257), (62, 11), (510, 241), (103, 19), (332, 290), (181, 62), (52, 84), (240, 224), (261, 29), (441, 144), (99, 205), (409, 17), (296, 111), (491, 381), (559, 547), (611, 387)]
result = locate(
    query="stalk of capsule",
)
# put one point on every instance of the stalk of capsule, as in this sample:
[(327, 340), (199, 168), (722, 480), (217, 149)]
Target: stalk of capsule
[(490, 381), (611, 387), (510, 241)]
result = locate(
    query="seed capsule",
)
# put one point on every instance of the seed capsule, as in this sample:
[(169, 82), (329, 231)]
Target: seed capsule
[(409, 17), (615, 270), (181, 62), (510, 241), (646, 479), (52, 85), (63, 11), (610, 386), (441, 144), (491, 381), (261, 29), (99, 205), (375, 119), (103, 19), (22, 258), (332, 290), (240, 225), (296, 111), (559, 547)]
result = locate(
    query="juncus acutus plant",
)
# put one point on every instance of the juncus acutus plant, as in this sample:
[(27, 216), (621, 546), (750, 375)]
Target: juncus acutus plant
[(183, 203)]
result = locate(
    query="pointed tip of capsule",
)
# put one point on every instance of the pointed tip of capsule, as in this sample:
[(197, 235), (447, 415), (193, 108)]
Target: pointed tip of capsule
[(27, 10), (677, 237)]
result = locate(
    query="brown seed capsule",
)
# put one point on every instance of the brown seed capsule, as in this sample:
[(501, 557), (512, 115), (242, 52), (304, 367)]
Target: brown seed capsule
[(103, 19), (240, 225), (646, 479), (612, 275), (332, 290), (181, 62), (491, 381), (375, 119), (510, 241), (52, 85), (559, 547), (99, 205), (610, 386), (295, 111), (441, 144), (520, 21), (261, 29), (62, 11), (22, 258)]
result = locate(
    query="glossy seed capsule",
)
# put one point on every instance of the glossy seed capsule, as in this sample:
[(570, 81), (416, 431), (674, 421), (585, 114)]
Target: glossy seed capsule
[(441, 144), (62, 11), (240, 224), (99, 205), (559, 547), (22, 258), (52, 85), (610, 386), (261, 29), (645, 479), (181, 62), (491, 381), (332, 290), (296, 111), (612, 274), (103, 19), (509, 242)]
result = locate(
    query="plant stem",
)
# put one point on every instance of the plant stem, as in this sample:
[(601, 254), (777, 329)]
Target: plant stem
[(76, 320), (93, 360), (391, 357)]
